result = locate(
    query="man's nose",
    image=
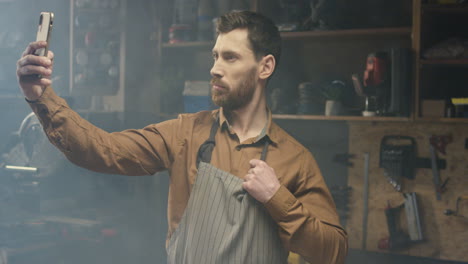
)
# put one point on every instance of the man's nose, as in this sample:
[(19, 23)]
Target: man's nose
[(216, 70)]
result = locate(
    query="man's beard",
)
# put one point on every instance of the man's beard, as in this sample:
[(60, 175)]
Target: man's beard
[(232, 99)]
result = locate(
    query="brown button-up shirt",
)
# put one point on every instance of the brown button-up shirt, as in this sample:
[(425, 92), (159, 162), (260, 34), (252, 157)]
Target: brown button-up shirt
[(303, 207)]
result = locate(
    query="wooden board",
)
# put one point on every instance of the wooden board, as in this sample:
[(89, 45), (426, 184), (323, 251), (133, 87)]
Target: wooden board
[(446, 237)]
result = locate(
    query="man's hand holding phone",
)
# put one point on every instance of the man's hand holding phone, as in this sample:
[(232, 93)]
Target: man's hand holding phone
[(34, 72), (34, 68)]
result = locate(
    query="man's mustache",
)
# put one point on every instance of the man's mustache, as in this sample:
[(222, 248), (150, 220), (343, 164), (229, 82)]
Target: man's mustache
[(218, 82)]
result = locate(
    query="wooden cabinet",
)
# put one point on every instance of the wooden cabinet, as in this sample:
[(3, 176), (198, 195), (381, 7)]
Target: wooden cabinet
[(440, 46), (319, 57)]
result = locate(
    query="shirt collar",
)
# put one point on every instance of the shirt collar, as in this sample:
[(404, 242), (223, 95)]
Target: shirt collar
[(267, 131)]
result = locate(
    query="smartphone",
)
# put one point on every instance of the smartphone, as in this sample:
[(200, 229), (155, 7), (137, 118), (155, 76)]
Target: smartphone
[(44, 30)]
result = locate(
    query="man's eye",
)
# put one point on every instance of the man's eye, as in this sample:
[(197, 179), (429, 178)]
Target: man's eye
[(229, 58)]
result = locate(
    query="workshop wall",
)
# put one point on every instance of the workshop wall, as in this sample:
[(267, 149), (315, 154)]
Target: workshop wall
[(445, 236)]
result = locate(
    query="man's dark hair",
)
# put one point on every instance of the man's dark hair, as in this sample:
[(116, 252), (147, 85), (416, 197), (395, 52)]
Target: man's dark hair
[(263, 34)]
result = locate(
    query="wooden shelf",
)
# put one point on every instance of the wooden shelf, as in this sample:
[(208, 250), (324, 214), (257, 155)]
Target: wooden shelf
[(342, 118), (355, 33), (321, 118), (444, 62), (370, 119), (442, 119), (449, 8), (191, 44), (347, 33)]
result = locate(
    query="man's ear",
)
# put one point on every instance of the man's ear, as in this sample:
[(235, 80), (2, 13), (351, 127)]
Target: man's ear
[(267, 66)]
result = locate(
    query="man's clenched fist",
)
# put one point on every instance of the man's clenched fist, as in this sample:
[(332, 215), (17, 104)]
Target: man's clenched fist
[(261, 181)]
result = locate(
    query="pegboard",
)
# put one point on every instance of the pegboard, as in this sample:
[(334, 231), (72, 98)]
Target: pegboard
[(445, 236)]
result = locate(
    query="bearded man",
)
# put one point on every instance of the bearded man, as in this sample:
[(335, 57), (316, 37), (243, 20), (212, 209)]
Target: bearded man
[(241, 189)]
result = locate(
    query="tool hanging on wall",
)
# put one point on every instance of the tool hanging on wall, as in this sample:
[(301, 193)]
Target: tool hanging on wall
[(398, 159), (438, 143), (365, 199), (457, 210), (435, 173), (397, 238), (397, 155)]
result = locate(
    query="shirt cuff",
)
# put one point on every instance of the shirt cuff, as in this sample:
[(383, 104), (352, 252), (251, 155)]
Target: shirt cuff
[(281, 202), (47, 104)]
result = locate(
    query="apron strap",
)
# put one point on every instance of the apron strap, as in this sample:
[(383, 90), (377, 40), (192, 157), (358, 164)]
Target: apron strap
[(205, 150), (265, 149)]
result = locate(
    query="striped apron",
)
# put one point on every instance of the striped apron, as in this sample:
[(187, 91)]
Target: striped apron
[(222, 222)]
